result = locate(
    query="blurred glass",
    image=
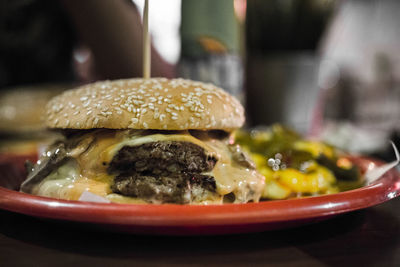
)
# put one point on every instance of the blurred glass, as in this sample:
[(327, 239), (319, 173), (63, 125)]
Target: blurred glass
[(210, 34), (282, 59)]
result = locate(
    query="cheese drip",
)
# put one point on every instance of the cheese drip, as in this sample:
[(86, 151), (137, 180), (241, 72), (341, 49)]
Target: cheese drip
[(246, 184)]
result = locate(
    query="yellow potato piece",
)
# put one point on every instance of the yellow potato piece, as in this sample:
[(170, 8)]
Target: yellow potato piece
[(314, 148), (315, 182), (274, 190)]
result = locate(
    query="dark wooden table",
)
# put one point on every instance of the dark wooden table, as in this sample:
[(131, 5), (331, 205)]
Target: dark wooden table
[(368, 237)]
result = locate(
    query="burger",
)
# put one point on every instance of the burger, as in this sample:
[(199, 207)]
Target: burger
[(146, 141), (21, 131)]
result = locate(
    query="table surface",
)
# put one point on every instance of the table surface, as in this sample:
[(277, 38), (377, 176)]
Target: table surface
[(369, 237)]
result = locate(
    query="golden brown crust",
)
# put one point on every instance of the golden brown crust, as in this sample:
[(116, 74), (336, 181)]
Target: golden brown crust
[(156, 103)]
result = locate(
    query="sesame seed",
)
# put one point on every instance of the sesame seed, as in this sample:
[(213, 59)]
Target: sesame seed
[(145, 125), (88, 112), (83, 98), (135, 120), (162, 116)]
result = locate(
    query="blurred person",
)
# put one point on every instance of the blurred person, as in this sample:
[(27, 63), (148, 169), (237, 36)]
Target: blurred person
[(39, 41), (359, 78)]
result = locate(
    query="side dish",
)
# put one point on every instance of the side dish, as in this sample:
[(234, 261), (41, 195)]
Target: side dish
[(296, 167)]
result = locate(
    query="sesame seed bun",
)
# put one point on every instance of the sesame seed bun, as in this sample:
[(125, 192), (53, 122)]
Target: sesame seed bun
[(156, 103)]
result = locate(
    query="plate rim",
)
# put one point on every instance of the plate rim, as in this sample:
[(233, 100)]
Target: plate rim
[(173, 215)]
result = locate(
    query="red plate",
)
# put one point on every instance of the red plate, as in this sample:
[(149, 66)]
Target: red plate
[(195, 220)]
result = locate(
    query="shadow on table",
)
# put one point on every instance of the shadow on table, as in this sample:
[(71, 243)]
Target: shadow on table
[(364, 237)]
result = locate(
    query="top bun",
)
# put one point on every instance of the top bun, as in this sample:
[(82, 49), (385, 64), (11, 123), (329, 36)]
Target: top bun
[(156, 103)]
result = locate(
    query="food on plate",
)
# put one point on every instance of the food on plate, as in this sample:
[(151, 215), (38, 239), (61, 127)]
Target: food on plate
[(294, 166), (21, 130), (146, 141)]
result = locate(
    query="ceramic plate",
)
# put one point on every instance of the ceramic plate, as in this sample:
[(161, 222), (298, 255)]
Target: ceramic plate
[(194, 220)]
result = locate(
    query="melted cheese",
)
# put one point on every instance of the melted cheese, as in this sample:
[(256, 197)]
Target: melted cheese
[(245, 184), (68, 183)]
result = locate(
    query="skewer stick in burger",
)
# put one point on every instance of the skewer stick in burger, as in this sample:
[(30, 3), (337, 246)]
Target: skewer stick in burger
[(146, 141)]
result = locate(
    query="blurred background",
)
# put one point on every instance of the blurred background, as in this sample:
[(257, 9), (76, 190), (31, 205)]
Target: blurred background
[(328, 69)]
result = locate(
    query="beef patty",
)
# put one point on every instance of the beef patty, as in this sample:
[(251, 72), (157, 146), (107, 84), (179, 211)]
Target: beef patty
[(179, 188), (163, 172)]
